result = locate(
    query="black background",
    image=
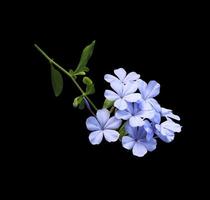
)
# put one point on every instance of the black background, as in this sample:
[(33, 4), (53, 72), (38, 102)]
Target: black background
[(160, 45)]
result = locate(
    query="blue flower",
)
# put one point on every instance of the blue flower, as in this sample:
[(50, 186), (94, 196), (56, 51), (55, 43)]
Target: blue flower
[(165, 131), (102, 125), (122, 94), (148, 92), (137, 140), (122, 76), (134, 114)]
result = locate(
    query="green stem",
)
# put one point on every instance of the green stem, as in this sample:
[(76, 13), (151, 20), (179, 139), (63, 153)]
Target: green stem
[(67, 73)]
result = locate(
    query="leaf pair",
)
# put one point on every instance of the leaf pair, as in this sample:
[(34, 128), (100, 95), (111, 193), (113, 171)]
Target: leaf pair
[(57, 79)]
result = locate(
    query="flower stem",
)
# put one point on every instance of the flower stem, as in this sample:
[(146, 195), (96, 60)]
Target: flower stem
[(67, 73)]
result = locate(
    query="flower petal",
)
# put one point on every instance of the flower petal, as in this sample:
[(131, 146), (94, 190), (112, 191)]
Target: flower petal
[(92, 124), (96, 137), (168, 113), (110, 95), (142, 87), (176, 117), (131, 130), (102, 116), (122, 114), (120, 104), (139, 149), (117, 86), (129, 88), (132, 76), (111, 135), (149, 130), (165, 111), (152, 90), (132, 97), (128, 142), (113, 123), (149, 114), (154, 104), (120, 73), (165, 135), (157, 118), (172, 126), (135, 121), (150, 145), (144, 105), (109, 78)]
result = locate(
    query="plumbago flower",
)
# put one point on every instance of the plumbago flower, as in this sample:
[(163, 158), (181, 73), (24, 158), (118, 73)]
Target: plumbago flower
[(137, 140), (137, 119), (102, 125), (140, 111), (122, 76), (135, 114), (122, 94)]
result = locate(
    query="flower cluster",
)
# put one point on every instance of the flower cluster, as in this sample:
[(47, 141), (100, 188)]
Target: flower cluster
[(138, 119)]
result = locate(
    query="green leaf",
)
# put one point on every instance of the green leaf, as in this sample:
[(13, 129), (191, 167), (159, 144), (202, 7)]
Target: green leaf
[(86, 80), (57, 81), (108, 103), (85, 56), (90, 89), (122, 131), (77, 101), (79, 74)]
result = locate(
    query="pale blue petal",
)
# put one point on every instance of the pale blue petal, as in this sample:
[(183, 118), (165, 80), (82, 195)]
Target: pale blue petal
[(135, 121), (96, 137), (113, 123), (172, 126), (168, 113), (120, 104), (109, 78), (154, 104), (120, 73), (150, 145), (149, 130), (102, 116), (122, 114), (132, 97), (130, 130), (144, 105), (157, 118), (130, 108), (152, 90), (117, 86), (129, 88), (110, 95), (111, 135), (139, 149), (165, 111), (149, 114), (165, 135), (132, 76), (92, 124), (136, 107), (142, 87), (171, 115), (141, 133), (128, 142), (158, 127)]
